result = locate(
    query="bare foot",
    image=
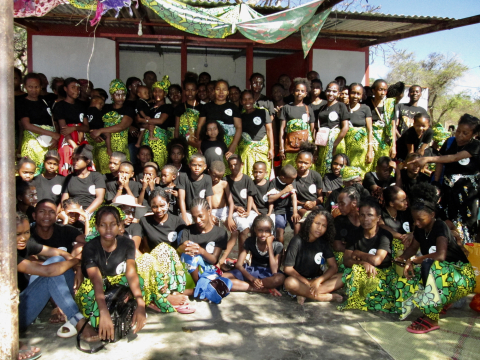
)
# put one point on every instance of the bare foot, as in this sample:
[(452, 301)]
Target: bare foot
[(89, 334), (57, 316), (177, 299), (329, 297), (301, 299), (27, 352), (275, 292)]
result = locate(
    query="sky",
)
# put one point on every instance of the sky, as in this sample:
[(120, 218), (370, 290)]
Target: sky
[(463, 41)]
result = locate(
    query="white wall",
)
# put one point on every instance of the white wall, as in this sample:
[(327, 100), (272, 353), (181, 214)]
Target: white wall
[(219, 67), (69, 57), (333, 63)]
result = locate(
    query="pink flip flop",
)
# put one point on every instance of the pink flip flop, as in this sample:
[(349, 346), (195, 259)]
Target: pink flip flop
[(426, 324), (185, 309)]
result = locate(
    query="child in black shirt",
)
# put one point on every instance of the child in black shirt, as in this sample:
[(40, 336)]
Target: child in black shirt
[(380, 178), (142, 109), (212, 142)]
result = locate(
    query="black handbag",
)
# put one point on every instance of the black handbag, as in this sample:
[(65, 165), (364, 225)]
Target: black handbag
[(121, 305)]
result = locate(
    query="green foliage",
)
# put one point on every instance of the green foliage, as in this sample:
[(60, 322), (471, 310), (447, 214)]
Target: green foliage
[(438, 73), (20, 48)]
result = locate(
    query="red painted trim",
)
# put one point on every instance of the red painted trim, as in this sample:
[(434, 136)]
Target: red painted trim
[(309, 60), (367, 67), (249, 65), (117, 59), (29, 52)]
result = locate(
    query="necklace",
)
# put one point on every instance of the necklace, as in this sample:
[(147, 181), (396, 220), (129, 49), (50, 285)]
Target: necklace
[(262, 253), (105, 253), (428, 234), (393, 217)]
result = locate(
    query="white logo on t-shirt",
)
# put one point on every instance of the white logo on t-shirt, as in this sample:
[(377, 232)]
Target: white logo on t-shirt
[(62, 248), (257, 120), (433, 249), (89, 118), (121, 268), (218, 151), (265, 198), (49, 111), (172, 236), (243, 193), (81, 117), (406, 227), (312, 189), (318, 258), (229, 112), (91, 189), (333, 116), (57, 189), (202, 194), (305, 117), (210, 247), (157, 115), (373, 252), (464, 162)]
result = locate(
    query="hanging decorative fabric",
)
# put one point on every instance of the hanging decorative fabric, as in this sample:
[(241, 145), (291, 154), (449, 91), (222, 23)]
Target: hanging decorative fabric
[(28, 8), (276, 27), (311, 30), (105, 5), (84, 4)]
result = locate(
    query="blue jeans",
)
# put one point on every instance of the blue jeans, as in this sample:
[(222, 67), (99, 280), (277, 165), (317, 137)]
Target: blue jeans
[(133, 153), (40, 289)]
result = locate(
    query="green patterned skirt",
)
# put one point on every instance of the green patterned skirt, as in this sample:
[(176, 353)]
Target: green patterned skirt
[(325, 153), (252, 151), (32, 148), (356, 146), (158, 145), (446, 283), (188, 122)]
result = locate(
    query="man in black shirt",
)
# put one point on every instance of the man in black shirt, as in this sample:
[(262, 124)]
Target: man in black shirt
[(380, 178), (406, 112)]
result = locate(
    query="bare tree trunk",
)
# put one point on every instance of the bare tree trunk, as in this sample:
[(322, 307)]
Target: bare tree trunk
[(8, 243)]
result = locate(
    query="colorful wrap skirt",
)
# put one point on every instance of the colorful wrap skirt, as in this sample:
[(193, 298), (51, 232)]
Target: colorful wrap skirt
[(33, 149), (446, 283), (356, 147), (158, 144), (66, 151), (461, 199), (292, 126), (85, 297), (188, 124), (252, 151), (325, 153), (162, 273), (381, 146)]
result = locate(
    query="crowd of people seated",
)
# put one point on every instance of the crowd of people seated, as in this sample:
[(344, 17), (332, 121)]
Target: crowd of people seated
[(155, 187)]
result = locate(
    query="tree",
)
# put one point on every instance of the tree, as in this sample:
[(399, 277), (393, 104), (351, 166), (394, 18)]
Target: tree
[(20, 48), (438, 72)]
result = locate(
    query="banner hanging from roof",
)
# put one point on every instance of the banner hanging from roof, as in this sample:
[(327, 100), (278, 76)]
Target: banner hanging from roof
[(311, 30)]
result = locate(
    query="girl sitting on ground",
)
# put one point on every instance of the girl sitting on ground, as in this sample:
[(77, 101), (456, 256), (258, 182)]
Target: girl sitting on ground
[(264, 274)]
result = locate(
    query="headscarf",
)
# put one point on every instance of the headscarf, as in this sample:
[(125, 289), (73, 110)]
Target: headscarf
[(350, 172), (164, 84), (117, 85), (440, 134)]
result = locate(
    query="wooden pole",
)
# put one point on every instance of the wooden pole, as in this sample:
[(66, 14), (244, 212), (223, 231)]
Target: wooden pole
[(8, 243)]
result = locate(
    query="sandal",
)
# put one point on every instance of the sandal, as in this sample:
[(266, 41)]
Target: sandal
[(67, 330), (57, 316), (428, 326), (445, 309), (34, 356), (185, 309)]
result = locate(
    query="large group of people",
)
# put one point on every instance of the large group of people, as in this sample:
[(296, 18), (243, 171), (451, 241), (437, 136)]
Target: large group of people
[(154, 187)]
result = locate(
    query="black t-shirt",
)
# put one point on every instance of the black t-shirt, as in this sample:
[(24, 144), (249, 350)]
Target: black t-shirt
[(224, 113), (410, 137), (134, 229), (371, 178), (409, 111), (468, 166), (173, 206), (213, 150), (358, 117), (381, 241), (112, 188), (261, 260), (32, 248), (316, 108), (94, 255), (71, 113), (402, 224), (180, 110), (201, 188), (63, 237), (49, 188), (168, 109), (157, 233), (381, 110), (260, 197), (254, 123), (290, 112), (94, 117), (308, 258), (241, 190), (264, 103), (84, 189), (331, 116), (284, 203), (429, 245), (308, 186), (217, 237), (143, 105), (50, 98), (124, 110), (344, 229), (331, 182), (408, 183), (37, 112)]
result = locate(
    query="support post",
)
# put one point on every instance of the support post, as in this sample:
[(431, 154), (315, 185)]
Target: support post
[(8, 244), (367, 66), (249, 65), (183, 59), (117, 59)]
